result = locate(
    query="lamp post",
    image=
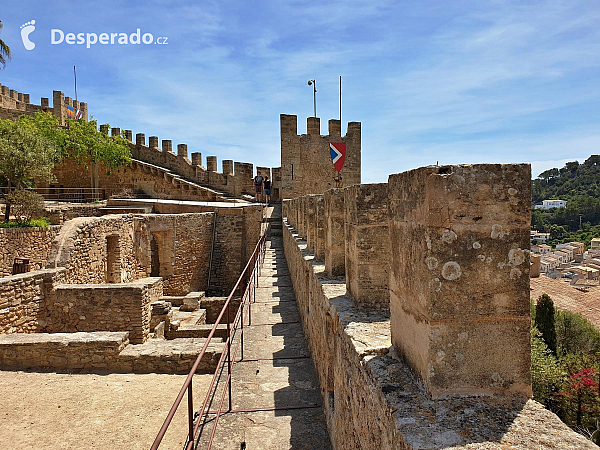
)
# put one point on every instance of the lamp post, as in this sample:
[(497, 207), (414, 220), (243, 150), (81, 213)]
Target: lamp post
[(313, 83)]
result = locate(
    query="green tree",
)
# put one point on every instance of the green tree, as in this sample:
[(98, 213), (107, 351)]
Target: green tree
[(546, 375), (5, 54), (575, 334), (544, 321), (24, 154), (88, 146)]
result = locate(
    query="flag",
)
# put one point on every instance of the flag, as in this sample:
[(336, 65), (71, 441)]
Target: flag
[(73, 113), (338, 154)]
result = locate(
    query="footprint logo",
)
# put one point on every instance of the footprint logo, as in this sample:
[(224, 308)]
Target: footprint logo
[(26, 30)]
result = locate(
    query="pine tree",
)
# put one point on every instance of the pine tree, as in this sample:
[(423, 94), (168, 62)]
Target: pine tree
[(544, 321)]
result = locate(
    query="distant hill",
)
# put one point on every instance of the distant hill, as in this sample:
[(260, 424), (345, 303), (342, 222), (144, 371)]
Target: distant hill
[(579, 184), (572, 180)]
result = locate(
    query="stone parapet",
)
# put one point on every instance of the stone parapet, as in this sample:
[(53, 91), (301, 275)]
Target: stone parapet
[(459, 282), (367, 244), (335, 246), (371, 398)]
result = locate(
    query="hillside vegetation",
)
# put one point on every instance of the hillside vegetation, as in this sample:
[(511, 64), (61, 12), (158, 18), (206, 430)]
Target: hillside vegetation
[(579, 184)]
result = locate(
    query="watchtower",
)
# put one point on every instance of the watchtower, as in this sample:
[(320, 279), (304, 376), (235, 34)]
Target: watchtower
[(306, 166)]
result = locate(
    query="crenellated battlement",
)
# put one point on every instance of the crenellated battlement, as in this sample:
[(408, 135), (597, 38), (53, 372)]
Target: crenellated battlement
[(14, 104), (235, 178), (306, 166)]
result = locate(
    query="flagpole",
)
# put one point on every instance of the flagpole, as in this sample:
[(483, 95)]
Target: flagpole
[(340, 100), (75, 76)]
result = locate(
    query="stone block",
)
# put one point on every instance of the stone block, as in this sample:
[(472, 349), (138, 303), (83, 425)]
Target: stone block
[(459, 238), (367, 244), (197, 159), (211, 163), (228, 166), (319, 227), (311, 222)]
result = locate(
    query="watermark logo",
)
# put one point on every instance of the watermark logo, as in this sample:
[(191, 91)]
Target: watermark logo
[(26, 30), (58, 36)]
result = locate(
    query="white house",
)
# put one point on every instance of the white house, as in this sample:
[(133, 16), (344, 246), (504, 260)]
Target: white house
[(549, 204)]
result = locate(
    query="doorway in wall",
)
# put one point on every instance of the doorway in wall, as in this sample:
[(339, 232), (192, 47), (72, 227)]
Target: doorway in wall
[(113, 259)]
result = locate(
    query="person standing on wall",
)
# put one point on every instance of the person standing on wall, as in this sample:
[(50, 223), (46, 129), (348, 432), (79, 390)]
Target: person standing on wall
[(267, 186), (259, 182)]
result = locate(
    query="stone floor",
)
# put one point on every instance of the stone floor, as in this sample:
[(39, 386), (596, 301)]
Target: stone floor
[(276, 373)]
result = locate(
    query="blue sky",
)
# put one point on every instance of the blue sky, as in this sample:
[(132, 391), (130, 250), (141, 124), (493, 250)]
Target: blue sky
[(454, 82)]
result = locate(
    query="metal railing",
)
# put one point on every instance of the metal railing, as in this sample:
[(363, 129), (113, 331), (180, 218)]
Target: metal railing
[(246, 285), (70, 194)]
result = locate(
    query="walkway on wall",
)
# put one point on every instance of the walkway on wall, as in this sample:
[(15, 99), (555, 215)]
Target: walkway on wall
[(277, 376)]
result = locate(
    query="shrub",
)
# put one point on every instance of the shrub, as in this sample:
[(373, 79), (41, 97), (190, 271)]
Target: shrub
[(42, 222), (25, 204)]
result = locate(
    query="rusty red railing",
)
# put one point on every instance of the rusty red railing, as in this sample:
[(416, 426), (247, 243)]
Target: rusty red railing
[(246, 285)]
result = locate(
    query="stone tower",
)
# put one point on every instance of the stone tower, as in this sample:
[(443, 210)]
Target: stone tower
[(306, 166)]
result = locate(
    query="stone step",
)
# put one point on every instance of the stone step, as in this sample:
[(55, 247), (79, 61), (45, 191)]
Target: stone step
[(199, 331), (170, 356)]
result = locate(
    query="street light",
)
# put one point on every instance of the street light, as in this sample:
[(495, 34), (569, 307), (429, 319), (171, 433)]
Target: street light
[(313, 83)]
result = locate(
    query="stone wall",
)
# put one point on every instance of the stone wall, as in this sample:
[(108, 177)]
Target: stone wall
[(237, 233), (62, 351), (459, 282), (176, 247), (82, 248), (371, 398), (306, 166), (103, 307), (22, 307), (184, 242), (104, 351), (32, 243), (367, 244), (138, 178)]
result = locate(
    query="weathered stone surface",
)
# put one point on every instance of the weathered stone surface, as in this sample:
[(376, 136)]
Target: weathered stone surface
[(106, 351), (459, 283), (103, 307), (22, 307), (373, 400), (367, 244), (32, 243), (335, 246), (319, 227), (311, 222)]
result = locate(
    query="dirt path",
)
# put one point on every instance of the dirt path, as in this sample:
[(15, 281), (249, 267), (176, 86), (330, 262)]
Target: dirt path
[(90, 411)]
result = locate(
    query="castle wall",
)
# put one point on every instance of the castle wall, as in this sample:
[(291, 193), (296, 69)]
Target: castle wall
[(371, 397), (14, 104), (183, 242), (32, 243), (154, 181), (137, 177), (306, 166), (446, 249)]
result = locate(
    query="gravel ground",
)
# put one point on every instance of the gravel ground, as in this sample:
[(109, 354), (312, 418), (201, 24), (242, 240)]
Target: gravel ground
[(91, 411)]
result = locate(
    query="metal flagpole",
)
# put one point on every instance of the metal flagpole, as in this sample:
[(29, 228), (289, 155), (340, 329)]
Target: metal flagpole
[(340, 102), (75, 75)]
